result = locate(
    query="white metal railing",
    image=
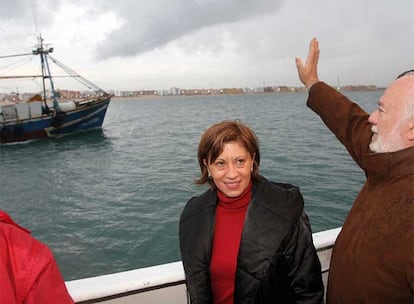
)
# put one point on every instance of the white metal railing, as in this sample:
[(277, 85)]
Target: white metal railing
[(163, 283)]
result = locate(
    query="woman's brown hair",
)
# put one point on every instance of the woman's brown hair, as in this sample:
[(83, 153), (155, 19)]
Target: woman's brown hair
[(212, 144)]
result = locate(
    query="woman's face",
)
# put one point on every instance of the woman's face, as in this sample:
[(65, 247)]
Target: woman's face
[(231, 171)]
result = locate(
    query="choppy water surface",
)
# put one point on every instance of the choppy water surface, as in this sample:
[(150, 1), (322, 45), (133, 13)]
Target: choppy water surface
[(110, 200)]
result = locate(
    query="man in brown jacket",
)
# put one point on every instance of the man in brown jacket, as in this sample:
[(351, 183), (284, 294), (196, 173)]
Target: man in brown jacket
[(373, 257)]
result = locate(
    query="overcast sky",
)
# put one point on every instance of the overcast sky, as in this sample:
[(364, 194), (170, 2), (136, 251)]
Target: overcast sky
[(159, 44)]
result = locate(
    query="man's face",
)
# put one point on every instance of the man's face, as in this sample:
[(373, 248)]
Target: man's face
[(389, 122)]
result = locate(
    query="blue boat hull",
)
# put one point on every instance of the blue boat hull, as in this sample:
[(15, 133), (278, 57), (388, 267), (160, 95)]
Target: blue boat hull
[(83, 118)]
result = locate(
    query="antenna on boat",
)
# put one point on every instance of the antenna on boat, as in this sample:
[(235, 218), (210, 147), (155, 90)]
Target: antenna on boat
[(42, 52)]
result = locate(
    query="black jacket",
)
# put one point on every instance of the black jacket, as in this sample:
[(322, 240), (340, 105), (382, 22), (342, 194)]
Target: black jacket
[(277, 262)]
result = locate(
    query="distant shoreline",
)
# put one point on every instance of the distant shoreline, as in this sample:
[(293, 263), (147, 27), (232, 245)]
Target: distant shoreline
[(154, 93), (176, 92)]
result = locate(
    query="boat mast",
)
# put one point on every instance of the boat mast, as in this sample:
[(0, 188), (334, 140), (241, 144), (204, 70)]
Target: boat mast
[(42, 52)]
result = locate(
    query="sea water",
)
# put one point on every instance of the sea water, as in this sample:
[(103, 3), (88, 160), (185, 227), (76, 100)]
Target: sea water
[(110, 200)]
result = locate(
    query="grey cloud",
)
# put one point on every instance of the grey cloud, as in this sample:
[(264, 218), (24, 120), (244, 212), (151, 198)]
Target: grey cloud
[(18, 16), (14, 9), (21, 10), (150, 25)]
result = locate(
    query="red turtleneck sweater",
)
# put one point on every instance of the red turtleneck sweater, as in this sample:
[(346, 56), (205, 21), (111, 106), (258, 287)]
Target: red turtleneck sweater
[(230, 214)]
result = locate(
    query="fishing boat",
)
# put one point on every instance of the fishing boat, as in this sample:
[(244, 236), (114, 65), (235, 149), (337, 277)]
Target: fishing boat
[(164, 283), (48, 114)]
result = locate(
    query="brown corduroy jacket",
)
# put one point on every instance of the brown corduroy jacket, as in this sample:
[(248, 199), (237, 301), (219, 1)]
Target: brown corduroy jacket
[(373, 257)]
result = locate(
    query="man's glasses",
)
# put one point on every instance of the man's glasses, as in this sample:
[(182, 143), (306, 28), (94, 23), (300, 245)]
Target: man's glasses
[(409, 72)]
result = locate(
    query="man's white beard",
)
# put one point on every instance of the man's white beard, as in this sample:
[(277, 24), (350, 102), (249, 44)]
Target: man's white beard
[(379, 145), (375, 146)]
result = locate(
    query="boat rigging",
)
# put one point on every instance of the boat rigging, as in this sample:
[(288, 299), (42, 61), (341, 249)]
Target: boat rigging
[(50, 116)]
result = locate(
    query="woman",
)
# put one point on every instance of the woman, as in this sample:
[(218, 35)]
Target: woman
[(246, 239)]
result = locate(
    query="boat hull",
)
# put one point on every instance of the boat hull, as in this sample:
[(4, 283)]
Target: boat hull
[(87, 116)]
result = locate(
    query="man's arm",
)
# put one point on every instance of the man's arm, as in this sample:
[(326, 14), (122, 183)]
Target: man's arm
[(344, 118)]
